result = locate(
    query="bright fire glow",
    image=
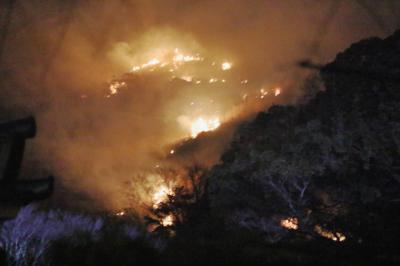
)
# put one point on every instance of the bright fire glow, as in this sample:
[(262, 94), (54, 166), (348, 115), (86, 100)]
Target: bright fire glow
[(161, 195), (175, 60), (334, 236), (291, 223), (201, 112), (203, 125), (136, 68), (179, 57), (115, 86), (226, 66), (187, 78), (185, 58), (121, 213), (263, 93), (151, 62), (167, 220)]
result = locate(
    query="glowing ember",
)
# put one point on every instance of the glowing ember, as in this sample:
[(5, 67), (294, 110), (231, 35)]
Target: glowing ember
[(152, 62), (121, 213), (174, 60), (171, 151), (136, 68), (167, 220), (161, 195), (290, 223), (115, 86), (203, 125), (187, 78), (334, 236), (277, 91), (263, 93), (226, 66), (185, 58), (179, 58)]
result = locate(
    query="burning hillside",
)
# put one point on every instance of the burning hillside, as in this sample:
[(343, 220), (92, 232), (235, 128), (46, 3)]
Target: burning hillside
[(186, 129), (207, 90), (123, 88), (198, 94), (156, 115)]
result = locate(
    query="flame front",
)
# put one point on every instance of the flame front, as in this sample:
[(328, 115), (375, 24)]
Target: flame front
[(334, 236), (206, 92), (175, 60), (203, 125), (292, 223)]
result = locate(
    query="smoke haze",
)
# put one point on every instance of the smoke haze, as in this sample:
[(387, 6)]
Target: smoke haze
[(60, 57)]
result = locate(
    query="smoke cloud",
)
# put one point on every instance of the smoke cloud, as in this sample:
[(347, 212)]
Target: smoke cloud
[(59, 59)]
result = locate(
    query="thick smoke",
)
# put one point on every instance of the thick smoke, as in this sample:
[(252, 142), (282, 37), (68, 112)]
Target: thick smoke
[(59, 58)]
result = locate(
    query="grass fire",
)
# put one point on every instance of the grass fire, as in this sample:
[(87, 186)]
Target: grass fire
[(167, 132)]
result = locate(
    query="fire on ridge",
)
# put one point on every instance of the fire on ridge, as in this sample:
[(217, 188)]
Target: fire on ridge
[(203, 105)]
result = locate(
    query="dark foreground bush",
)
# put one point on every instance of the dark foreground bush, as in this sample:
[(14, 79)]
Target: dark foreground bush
[(62, 238), (109, 250)]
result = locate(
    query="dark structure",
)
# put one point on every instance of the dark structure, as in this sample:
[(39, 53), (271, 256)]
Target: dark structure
[(12, 143)]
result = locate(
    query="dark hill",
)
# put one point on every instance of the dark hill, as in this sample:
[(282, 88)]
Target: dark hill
[(332, 162)]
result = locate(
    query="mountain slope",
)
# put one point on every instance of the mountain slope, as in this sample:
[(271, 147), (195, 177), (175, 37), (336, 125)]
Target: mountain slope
[(334, 161)]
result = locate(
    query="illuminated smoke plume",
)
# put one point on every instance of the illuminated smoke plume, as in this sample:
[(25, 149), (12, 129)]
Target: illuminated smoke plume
[(116, 86)]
